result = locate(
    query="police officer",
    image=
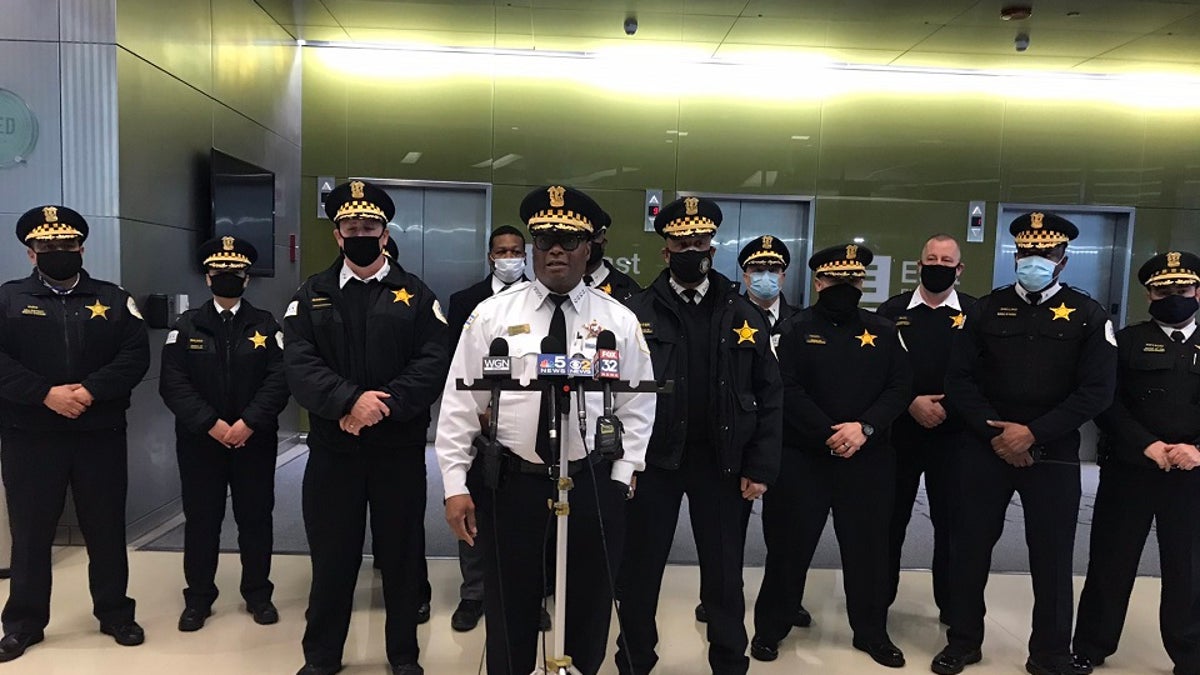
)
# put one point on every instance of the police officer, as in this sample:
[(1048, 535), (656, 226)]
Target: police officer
[(506, 259), (716, 438), (507, 519), (72, 348), (365, 353), (601, 274), (1033, 362), (764, 262), (1148, 474), (222, 376), (836, 455), (927, 319)]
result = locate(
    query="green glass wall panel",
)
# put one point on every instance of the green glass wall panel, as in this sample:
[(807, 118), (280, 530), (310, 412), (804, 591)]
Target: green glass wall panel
[(255, 66), (1072, 153), (763, 147), (1171, 163), (175, 36), (911, 146), (324, 123), (568, 132)]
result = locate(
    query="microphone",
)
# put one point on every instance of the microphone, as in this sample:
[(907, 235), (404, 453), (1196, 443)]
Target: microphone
[(497, 367), (552, 366), (608, 368)]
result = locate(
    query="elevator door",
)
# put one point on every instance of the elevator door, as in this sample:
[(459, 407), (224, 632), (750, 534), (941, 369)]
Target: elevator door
[(746, 219)]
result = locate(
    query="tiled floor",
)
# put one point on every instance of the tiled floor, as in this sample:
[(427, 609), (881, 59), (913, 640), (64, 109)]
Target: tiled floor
[(232, 643)]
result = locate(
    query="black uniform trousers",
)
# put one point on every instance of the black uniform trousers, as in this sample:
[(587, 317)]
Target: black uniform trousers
[(719, 518), (38, 466), (1128, 500), (931, 455), (206, 470), (859, 492), (338, 490), (1049, 494), (514, 526)]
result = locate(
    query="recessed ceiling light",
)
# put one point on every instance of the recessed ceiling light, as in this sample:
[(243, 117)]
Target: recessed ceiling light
[(1016, 12)]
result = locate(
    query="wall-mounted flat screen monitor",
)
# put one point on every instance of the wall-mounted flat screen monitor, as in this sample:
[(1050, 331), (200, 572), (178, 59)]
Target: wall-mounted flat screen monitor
[(243, 205)]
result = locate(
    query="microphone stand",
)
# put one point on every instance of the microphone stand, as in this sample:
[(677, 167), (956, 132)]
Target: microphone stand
[(560, 663)]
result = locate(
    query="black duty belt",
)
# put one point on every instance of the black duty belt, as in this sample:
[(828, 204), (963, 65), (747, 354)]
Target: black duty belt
[(520, 465)]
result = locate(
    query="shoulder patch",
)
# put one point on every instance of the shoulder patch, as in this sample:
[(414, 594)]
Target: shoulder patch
[(470, 320), (292, 309), (1110, 333), (437, 311), (133, 308), (172, 337), (279, 338)]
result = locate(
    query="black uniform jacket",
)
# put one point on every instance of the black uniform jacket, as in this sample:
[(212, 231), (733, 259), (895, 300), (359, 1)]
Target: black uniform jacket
[(786, 311), (205, 378), (746, 394), (93, 336), (619, 285), (406, 355), (1158, 393), (1051, 367), (854, 371), (462, 304)]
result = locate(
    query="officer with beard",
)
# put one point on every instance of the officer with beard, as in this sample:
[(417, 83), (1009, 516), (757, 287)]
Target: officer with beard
[(600, 273), (1148, 475), (365, 352), (1034, 362), (715, 439), (926, 438), (846, 378), (72, 348)]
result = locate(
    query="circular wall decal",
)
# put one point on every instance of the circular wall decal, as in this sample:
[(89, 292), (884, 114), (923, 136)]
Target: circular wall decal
[(18, 130)]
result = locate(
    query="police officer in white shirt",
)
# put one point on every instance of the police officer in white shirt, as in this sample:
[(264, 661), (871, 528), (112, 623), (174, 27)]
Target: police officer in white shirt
[(510, 523)]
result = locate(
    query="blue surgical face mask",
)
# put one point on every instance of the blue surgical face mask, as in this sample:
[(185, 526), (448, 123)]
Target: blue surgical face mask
[(764, 285), (1035, 273)]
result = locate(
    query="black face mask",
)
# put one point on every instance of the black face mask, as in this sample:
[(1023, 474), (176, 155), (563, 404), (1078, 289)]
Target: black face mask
[(937, 278), (689, 267), (839, 302), (60, 265), (1174, 309), (362, 251), (596, 255), (228, 285)]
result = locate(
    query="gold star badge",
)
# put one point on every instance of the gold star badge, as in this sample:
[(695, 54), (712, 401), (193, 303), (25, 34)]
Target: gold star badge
[(607, 288), (403, 295), (259, 340), (958, 321), (98, 310), (866, 338), (1062, 312), (745, 333)]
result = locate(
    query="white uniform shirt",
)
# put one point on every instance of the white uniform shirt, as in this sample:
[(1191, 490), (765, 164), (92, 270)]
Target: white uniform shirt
[(521, 315)]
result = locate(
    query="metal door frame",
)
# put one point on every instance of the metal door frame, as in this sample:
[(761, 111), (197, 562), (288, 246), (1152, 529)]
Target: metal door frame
[(466, 186), (1127, 262), (809, 226)]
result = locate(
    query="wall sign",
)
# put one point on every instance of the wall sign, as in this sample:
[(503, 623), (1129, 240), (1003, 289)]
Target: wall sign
[(18, 130)]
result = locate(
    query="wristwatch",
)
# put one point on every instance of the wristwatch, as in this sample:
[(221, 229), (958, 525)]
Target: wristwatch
[(867, 429)]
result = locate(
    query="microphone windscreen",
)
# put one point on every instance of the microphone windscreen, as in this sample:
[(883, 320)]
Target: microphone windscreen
[(499, 347)]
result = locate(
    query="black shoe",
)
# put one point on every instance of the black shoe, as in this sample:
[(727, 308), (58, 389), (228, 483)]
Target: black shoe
[(423, 613), (1083, 665), (14, 644), (761, 650), (264, 613), (952, 661), (884, 652), (802, 618), (701, 613), (1073, 665), (544, 623), (407, 669), (126, 634), (193, 618), (467, 616), (313, 669)]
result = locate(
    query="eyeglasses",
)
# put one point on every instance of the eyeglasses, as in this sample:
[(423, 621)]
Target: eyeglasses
[(568, 242)]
